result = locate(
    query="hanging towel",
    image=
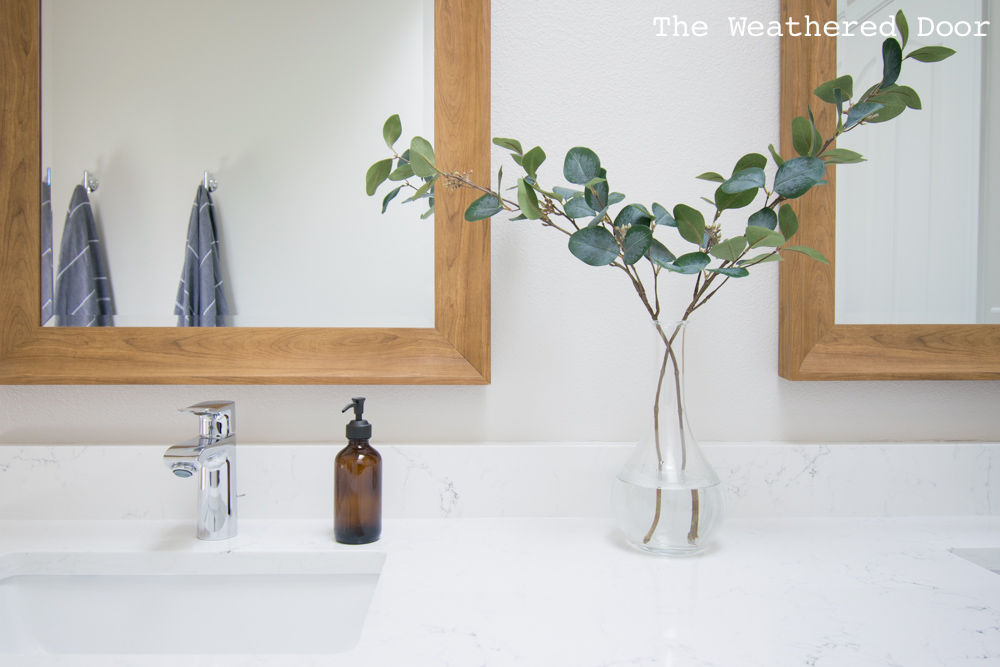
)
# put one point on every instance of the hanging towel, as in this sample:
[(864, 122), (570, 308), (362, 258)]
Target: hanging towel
[(201, 299), (46, 252), (82, 291)]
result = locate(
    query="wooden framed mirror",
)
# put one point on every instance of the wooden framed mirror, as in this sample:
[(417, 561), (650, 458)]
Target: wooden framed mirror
[(812, 345), (455, 351)]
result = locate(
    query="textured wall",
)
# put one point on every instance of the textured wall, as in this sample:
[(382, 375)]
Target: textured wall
[(571, 347)]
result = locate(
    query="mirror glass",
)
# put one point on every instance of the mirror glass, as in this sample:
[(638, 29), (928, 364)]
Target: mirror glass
[(918, 224), (283, 104)]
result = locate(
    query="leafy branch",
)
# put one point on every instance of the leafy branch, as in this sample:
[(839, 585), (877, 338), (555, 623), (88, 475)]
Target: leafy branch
[(627, 237), (600, 237)]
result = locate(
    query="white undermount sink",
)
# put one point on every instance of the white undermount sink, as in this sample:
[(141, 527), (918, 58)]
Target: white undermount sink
[(194, 603), (988, 557)]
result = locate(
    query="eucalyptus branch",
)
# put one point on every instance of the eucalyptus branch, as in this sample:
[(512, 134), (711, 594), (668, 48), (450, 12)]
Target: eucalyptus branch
[(622, 240)]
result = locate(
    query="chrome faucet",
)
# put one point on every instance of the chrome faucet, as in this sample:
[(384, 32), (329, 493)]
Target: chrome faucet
[(213, 455)]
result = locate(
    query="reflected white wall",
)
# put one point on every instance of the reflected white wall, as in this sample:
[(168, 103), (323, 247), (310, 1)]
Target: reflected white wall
[(908, 219), (284, 103), (989, 230)]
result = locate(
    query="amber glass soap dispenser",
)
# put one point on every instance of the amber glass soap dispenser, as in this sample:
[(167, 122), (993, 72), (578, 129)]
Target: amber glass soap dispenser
[(357, 484)]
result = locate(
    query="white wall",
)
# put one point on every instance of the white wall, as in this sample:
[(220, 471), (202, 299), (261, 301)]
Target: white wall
[(570, 360)]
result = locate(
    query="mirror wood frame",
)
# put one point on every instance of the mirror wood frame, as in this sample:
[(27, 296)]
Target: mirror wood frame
[(455, 351), (811, 345)]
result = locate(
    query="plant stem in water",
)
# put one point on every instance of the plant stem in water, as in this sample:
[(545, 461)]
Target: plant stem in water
[(695, 506), (656, 435), (695, 499)]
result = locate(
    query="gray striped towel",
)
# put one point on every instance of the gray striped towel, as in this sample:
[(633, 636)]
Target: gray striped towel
[(201, 298), (46, 252), (82, 290)]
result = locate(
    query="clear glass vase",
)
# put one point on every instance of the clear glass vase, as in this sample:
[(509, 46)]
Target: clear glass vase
[(667, 498)]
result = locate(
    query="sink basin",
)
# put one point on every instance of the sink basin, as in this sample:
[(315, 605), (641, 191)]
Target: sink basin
[(983, 557), (195, 603)]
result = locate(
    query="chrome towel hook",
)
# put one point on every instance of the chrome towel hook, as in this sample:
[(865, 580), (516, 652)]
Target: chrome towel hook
[(90, 182), (210, 183)]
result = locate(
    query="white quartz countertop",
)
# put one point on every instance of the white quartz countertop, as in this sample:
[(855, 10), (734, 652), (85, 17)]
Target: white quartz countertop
[(553, 592)]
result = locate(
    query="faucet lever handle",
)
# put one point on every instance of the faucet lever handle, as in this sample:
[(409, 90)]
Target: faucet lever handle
[(218, 418)]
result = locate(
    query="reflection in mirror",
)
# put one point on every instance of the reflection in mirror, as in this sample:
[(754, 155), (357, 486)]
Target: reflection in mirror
[(269, 98), (918, 225)]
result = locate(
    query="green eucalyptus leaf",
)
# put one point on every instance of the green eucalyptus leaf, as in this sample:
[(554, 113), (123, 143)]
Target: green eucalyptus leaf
[(908, 95), (377, 173), (598, 218), (422, 190), (802, 136), (509, 144), (724, 201), (690, 223), (932, 54), (860, 112), (518, 217), (798, 175), (644, 210), (750, 160), (581, 165), (633, 214), (844, 83), (731, 271), (391, 130), (892, 61), (659, 254), (750, 178), (774, 155), (761, 259), (402, 172), (422, 157), (533, 184), (690, 264), (597, 191), (532, 160), (712, 176), (565, 193), (765, 217), (485, 207), (389, 197), (838, 97), (817, 140), (891, 108), (428, 213), (527, 200), (788, 222), (577, 207), (904, 27), (730, 249), (662, 216), (762, 237), (842, 156), (809, 252), (637, 241), (869, 93), (595, 246), (615, 198)]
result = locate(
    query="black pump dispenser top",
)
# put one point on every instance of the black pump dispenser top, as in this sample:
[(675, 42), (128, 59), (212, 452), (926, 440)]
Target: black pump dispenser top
[(358, 428)]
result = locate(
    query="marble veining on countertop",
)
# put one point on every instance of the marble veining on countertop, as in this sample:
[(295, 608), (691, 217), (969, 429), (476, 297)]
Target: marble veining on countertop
[(496, 592)]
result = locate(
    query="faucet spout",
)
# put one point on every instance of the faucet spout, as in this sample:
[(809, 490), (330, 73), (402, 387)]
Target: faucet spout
[(212, 455)]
